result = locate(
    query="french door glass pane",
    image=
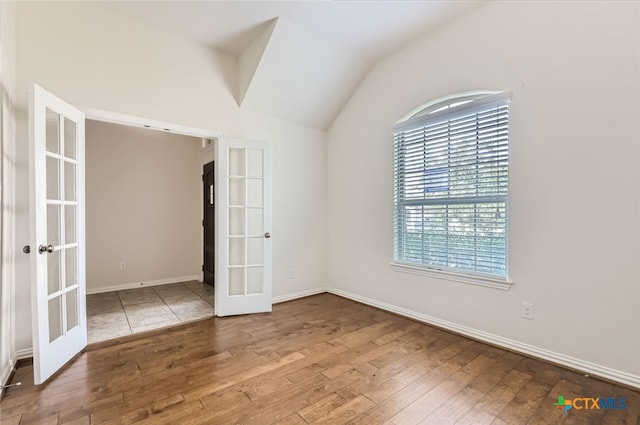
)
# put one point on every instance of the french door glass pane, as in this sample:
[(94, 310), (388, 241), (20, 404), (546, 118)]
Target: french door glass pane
[(53, 174), (254, 193), (254, 280), (254, 163), (254, 251), (72, 309), (236, 281), (236, 251), (52, 131), (69, 138), (53, 272), (236, 221), (254, 221), (69, 181), (69, 224), (236, 162), (236, 191), (53, 225), (71, 266), (55, 318)]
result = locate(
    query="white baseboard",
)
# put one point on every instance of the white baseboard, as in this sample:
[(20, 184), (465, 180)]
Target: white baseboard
[(24, 354), (510, 344), (143, 284), (300, 294)]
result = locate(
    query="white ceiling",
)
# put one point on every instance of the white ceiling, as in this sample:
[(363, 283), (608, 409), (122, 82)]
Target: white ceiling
[(353, 35), (369, 29)]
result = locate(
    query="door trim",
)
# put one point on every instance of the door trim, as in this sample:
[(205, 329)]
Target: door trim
[(135, 121)]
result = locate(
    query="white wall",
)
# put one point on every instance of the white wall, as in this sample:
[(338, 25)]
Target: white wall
[(574, 70), (143, 190), (7, 137), (93, 58)]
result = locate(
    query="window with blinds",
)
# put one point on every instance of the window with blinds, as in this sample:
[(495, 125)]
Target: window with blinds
[(451, 167)]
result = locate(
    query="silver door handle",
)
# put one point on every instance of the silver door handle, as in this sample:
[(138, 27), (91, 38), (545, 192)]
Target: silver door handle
[(267, 235), (45, 248)]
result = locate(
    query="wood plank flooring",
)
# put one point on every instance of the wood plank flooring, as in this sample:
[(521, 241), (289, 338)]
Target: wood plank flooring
[(317, 360)]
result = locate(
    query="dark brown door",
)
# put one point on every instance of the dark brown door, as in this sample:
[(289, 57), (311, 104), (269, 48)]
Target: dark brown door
[(208, 223)]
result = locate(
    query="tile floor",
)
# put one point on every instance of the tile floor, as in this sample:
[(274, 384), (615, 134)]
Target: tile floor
[(121, 313)]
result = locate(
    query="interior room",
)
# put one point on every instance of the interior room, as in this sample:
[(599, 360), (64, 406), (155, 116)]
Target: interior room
[(331, 302), (144, 229)]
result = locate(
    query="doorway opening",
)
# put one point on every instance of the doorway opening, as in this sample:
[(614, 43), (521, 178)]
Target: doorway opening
[(144, 237)]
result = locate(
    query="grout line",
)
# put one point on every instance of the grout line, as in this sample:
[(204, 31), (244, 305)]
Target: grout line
[(100, 329), (200, 296), (202, 283), (126, 316), (168, 306)]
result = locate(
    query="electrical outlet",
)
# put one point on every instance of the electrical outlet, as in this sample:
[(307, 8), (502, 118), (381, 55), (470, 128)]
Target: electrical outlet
[(291, 273), (527, 311), (123, 266)]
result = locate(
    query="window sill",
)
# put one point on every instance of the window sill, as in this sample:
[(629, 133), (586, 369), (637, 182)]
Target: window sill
[(456, 277)]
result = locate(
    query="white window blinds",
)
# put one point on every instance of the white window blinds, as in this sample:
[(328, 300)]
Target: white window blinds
[(451, 187)]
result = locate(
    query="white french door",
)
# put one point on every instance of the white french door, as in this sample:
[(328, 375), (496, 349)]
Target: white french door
[(243, 262), (56, 143)]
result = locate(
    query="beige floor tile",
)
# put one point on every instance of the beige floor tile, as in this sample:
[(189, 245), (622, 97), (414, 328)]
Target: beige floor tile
[(103, 303), (98, 334), (201, 289), (111, 318), (181, 299), (174, 288), (192, 310), (143, 317), (154, 325), (114, 307), (146, 308), (138, 296)]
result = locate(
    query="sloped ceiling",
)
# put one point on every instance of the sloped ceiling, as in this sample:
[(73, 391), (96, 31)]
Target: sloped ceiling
[(300, 76), (298, 60)]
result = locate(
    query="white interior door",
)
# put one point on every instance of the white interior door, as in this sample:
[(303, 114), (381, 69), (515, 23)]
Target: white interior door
[(243, 261), (57, 232)]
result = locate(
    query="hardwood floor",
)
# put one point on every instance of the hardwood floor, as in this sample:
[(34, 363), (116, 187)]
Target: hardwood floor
[(320, 360)]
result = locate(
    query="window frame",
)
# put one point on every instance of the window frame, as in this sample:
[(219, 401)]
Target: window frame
[(440, 110)]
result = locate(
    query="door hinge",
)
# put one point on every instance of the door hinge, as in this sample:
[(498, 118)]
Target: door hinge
[(203, 177), (203, 267), (203, 222)]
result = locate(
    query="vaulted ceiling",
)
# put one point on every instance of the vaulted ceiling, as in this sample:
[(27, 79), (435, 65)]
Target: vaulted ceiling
[(296, 59)]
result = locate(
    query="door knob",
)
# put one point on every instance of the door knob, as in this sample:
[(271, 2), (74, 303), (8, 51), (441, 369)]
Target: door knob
[(45, 248), (26, 249), (267, 235)]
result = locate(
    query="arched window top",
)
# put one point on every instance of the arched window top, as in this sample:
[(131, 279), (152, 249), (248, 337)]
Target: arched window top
[(449, 102)]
